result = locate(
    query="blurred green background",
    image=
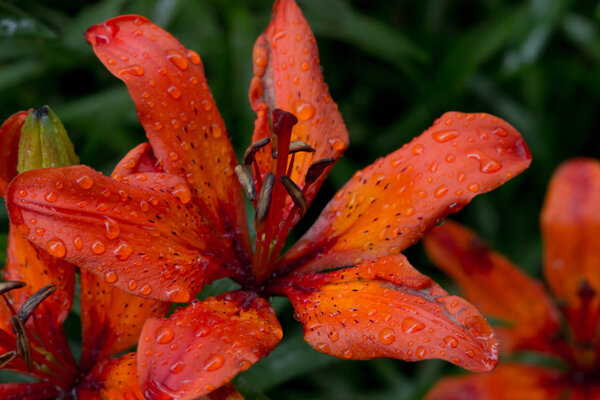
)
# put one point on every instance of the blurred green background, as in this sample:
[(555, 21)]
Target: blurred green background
[(392, 66)]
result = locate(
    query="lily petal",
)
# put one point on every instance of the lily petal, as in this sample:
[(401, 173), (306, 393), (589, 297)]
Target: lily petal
[(28, 391), (389, 205), (496, 287), (118, 229), (386, 308), (507, 382), (216, 339), (139, 159), (176, 108), (111, 319), (287, 75), (10, 132), (570, 223), (112, 379), (225, 392)]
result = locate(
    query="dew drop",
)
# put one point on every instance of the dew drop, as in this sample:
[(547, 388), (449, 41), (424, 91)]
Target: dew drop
[(51, 197), (98, 247), (216, 131), (386, 336), (440, 191), (336, 144), (145, 290), (110, 276), (22, 192), (56, 248), (444, 136), (487, 164), (177, 367), (451, 341), (132, 284), (303, 109), (178, 59), (178, 294), (410, 325), (322, 347), (214, 362), (421, 352), (135, 70), (164, 335), (85, 181), (78, 242), (333, 336), (174, 92), (244, 365), (473, 187), (123, 251), (182, 192), (193, 57), (418, 150), (111, 228)]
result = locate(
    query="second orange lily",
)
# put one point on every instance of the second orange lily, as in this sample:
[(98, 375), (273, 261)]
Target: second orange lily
[(171, 218)]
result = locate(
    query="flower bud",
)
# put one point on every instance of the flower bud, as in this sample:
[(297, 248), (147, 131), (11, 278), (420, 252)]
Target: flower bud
[(44, 142)]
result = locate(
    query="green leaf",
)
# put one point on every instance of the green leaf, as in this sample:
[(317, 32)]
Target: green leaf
[(14, 74)]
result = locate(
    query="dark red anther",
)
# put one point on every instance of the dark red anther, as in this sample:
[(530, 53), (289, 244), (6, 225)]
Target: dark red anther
[(317, 168)]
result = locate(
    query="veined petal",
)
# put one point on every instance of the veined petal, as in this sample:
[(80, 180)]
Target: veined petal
[(203, 346), (386, 308), (10, 132), (570, 223), (139, 159), (28, 391), (141, 234), (496, 287), (111, 319), (112, 379), (178, 112), (507, 382), (287, 75), (389, 205)]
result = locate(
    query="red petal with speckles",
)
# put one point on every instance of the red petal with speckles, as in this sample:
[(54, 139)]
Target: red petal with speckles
[(389, 205), (112, 379), (139, 159), (386, 308), (203, 346), (10, 133), (507, 382), (496, 287), (571, 231), (287, 75), (141, 234), (28, 391), (178, 112), (111, 319)]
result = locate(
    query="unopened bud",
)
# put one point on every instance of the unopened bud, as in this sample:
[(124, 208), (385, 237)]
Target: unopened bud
[(44, 142)]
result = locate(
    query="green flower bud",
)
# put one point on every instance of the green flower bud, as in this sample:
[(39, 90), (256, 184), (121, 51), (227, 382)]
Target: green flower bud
[(44, 142)]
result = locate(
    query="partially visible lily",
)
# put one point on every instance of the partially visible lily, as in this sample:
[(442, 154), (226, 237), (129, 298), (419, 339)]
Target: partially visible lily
[(111, 319), (171, 218), (566, 330)]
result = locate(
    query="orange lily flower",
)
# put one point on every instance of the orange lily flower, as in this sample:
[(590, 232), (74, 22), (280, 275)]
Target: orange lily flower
[(566, 329), (171, 218), (111, 319)]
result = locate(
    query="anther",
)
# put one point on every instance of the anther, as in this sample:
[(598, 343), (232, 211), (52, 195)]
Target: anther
[(34, 301), (295, 193), (264, 198), (585, 291), (23, 343), (10, 285), (7, 357), (254, 147), (316, 169), (298, 146), (245, 178)]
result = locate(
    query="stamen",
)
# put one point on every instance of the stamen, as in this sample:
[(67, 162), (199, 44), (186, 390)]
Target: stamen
[(297, 146), (316, 169), (7, 357), (23, 343), (295, 193), (264, 198), (254, 147), (10, 285), (245, 178), (34, 301)]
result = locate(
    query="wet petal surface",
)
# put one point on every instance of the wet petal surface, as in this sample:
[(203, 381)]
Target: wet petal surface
[(10, 132)]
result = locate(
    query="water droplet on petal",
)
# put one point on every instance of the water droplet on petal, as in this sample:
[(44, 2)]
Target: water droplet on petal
[(164, 335), (111, 228), (410, 325), (444, 136), (78, 242), (132, 284), (418, 150), (98, 247), (386, 336), (85, 181), (303, 109), (216, 131), (145, 290), (451, 341), (177, 59), (135, 70), (56, 248), (174, 92), (178, 294), (123, 251), (333, 336), (182, 192), (440, 191), (22, 193), (51, 197), (421, 352), (214, 362), (177, 367), (193, 57), (110, 276), (487, 164)]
